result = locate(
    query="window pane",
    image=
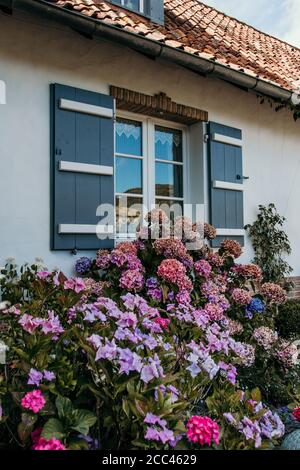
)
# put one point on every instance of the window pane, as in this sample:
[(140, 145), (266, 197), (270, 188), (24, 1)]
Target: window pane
[(168, 180), (128, 175), (128, 137), (129, 212), (133, 4), (168, 144)]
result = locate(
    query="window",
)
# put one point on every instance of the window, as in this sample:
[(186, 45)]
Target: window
[(136, 5), (152, 9), (149, 162)]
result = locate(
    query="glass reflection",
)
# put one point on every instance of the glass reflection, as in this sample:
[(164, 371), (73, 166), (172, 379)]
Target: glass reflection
[(168, 144), (128, 175), (168, 180), (128, 137)]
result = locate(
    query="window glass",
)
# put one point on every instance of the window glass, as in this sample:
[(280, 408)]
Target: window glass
[(164, 171), (168, 144), (133, 4), (128, 137), (128, 175), (168, 180), (128, 214)]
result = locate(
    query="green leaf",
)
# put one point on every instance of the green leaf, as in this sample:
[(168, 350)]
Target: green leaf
[(256, 395), (53, 428), (26, 426), (83, 420), (64, 406), (79, 444)]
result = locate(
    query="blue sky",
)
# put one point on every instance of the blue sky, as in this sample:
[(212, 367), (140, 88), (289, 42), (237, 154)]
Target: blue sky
[(281, 18)]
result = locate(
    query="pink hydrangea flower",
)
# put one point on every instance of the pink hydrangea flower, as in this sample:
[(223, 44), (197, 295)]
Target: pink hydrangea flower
[(30, 323), (265, 337), (241, 296), (43, 274), (132, 280), (215, 259), (52, 325), (170, 248), (33, 401), (103, 259), (184, 283), (203, 268), (76, 285), (203, 430), (156, 216), (214, 312), (171, 270), (48, 444), (273, 292), (231, 248), (287, 353), (248, 271)]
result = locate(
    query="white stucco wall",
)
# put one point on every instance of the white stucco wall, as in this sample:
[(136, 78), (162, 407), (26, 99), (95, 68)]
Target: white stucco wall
[(34, 53)]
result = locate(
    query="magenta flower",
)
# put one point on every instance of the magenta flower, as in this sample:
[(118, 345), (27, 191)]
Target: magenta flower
[(163, 322), (50, 444), (33, 401), (203, 430)]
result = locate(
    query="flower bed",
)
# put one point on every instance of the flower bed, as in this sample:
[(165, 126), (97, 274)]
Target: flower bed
[(151, 347)]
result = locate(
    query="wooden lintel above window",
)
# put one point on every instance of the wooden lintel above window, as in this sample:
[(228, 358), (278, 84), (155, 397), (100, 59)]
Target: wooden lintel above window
[(160, 106)]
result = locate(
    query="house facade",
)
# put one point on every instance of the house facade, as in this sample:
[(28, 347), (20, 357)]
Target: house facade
[(142, 102)]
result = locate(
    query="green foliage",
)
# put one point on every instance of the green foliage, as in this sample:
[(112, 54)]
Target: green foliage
[(70, 420), (271, 245), (288, 319)]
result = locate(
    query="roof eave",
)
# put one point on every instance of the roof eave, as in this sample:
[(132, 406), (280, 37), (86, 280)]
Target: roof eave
[(155, 49)]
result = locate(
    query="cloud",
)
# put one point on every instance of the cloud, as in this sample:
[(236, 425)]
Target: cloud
[(292, 34)]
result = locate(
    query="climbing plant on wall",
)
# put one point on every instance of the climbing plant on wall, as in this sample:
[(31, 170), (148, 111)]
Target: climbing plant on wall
[(271, 245)]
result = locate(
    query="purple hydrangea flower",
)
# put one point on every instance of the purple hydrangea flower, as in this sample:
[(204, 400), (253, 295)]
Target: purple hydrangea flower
[(35, 377), (83, 265), (129, 361), (48, 375)]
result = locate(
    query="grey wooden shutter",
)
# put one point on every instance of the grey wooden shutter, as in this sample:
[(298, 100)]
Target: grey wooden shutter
[(82, 161), (226, 182)]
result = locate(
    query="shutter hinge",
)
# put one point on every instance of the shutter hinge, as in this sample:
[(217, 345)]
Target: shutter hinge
[(206, 138)]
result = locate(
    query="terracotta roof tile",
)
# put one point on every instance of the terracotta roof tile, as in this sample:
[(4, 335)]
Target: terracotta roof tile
[(199, 29)]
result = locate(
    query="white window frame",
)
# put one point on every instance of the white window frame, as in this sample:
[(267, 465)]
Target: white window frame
[(148, 159)]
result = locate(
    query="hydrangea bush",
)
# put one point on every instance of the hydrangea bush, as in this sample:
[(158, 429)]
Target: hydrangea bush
[(152, 346)]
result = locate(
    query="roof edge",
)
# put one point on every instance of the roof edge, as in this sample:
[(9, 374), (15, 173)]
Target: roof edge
[(155, 49)]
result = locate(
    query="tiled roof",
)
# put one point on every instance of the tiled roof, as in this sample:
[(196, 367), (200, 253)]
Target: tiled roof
[(199, 29)]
